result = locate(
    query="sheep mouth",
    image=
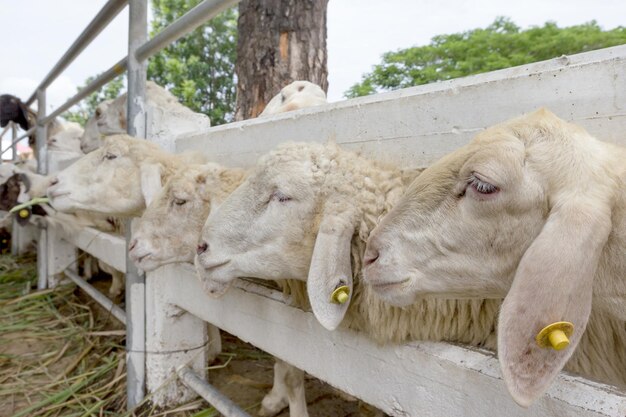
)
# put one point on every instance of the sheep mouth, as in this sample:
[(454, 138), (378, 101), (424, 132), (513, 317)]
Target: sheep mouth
[(140, 259), (215, 265), (57, 194), (384, 286)]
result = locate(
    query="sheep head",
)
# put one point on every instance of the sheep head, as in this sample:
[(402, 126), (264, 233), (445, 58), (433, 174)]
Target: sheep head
[(169, 229), (67, 139), (117, 179), (523, 211), (297, 95), (299, 215), (266, 227), (90, 140)]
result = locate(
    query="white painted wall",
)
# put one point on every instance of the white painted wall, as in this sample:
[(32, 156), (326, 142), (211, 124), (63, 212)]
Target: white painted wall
[(416, 126)]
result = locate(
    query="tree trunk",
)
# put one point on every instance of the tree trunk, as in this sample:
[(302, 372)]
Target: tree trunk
[(280, 41)]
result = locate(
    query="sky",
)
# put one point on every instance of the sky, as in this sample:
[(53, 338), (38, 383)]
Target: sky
[(359, 32)]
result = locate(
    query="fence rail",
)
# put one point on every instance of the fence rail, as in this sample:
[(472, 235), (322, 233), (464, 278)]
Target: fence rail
[(140, 49)]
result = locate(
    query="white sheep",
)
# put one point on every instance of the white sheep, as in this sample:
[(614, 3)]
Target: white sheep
[(90, 140), (67, 138), (120, 178), (169, 230), (306, 211), (296, 95), (533, 209), (166, 118)]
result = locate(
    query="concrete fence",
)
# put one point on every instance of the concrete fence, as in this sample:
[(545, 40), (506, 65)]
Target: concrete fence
[(413, 128)]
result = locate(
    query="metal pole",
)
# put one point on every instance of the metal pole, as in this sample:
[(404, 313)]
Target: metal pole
[(219, 401), (135, 282), (22, 136), (42, 169), (97, 24), (102, 299), (118, 69), (13, 142), (203, 12), (5, 130)]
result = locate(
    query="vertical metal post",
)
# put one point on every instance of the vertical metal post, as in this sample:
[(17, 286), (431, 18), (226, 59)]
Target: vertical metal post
[(13, 144), (135, 283), (42, 168)]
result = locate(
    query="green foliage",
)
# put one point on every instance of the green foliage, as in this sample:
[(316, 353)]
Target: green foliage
[(199, 69), (84, 109), (501, 45)]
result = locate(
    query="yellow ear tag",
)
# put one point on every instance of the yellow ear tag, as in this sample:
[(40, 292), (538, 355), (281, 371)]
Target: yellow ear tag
[(24, 213), (340, 295), (555, 335)]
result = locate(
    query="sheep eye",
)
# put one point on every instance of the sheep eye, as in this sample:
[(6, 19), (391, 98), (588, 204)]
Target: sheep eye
[(98, 113), (110, 156), (480, 186), (179, 201), (280, 197)]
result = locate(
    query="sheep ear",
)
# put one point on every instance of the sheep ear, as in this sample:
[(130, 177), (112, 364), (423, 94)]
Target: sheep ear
[(330, 268), (553, 283), (150, 181), (26, 181)]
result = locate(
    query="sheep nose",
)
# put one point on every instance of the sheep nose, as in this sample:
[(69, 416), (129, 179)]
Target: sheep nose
[(132, 245), (371, 255), (202, 247)]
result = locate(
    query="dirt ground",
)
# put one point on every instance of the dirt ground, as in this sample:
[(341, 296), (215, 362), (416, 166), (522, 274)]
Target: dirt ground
[(75, 336)]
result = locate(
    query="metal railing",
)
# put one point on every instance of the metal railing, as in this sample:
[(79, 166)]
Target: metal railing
[(13, 129), (140, 49)]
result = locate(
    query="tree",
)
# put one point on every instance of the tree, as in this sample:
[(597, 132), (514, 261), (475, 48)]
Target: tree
[(501, 45), (84, 109), (280, 41), (198, 68)]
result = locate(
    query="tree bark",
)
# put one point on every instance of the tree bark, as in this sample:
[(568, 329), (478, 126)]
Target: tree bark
[(280, 41)]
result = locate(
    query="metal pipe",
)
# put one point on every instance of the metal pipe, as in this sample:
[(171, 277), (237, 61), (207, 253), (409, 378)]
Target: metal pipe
[(102, 299), (135, 282), (22, 136), (6, 129), (97, 24), (42, 169), (117, 69), (13, 142), (219, 401), (183, 25)]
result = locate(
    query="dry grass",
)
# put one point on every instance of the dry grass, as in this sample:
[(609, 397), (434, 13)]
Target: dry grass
[(59, 356)]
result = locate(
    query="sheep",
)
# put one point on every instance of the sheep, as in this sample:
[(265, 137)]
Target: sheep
[(66, 139), (296, 95), (12, 109), (167, 118), (534, 210), (306, 211), (168, 232), (119, 178), (169, 229)]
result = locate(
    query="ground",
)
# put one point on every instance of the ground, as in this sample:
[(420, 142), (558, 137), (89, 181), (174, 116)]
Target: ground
[(62, 355)]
